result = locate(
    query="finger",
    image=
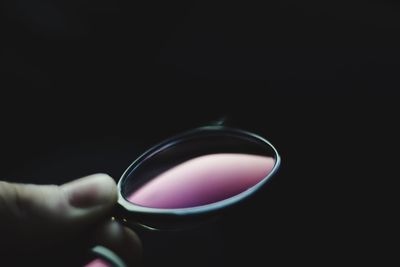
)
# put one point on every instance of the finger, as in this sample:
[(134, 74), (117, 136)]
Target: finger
[(31, 211), (121, 240)]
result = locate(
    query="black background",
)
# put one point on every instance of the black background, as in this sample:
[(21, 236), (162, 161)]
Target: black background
[(87, 86)]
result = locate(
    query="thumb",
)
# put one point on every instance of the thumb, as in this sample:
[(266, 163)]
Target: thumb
[(49, 212)]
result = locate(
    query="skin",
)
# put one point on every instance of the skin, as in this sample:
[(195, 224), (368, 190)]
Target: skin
[(51, 225)]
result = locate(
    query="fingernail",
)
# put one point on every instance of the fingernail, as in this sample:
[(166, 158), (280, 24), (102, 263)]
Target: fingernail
[(91, 191)]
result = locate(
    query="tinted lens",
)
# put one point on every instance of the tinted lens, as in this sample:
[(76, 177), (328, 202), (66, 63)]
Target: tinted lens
[(98, 263), (198, 168)]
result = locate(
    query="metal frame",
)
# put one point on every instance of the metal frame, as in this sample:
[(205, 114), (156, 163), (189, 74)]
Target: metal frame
[(132, 209)]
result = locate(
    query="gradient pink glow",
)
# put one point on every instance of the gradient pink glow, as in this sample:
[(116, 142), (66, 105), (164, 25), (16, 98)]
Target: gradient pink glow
[(98, 263), (203, 180)]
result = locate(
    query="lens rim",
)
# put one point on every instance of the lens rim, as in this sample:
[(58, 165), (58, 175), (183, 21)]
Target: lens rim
[(197, 210)]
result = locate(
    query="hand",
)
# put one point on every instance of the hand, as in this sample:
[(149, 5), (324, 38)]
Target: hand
[(50, 225)]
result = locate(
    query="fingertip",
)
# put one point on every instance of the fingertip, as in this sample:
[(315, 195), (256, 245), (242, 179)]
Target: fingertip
[(90, 191), (121, 240)]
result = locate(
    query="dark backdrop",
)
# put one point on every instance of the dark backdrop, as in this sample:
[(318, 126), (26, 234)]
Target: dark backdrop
[(87, 86)]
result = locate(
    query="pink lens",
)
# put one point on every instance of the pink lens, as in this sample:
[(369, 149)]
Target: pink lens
[(203, 180), (98, 263)]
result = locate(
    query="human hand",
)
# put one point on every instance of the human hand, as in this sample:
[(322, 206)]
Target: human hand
[(50, 225)]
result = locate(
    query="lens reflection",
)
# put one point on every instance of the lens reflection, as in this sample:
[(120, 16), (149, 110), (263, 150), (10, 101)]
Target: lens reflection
[(197, 168), (203, 180)]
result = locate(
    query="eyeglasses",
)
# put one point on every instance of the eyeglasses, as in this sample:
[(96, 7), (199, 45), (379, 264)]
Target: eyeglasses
[(192, 177)]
